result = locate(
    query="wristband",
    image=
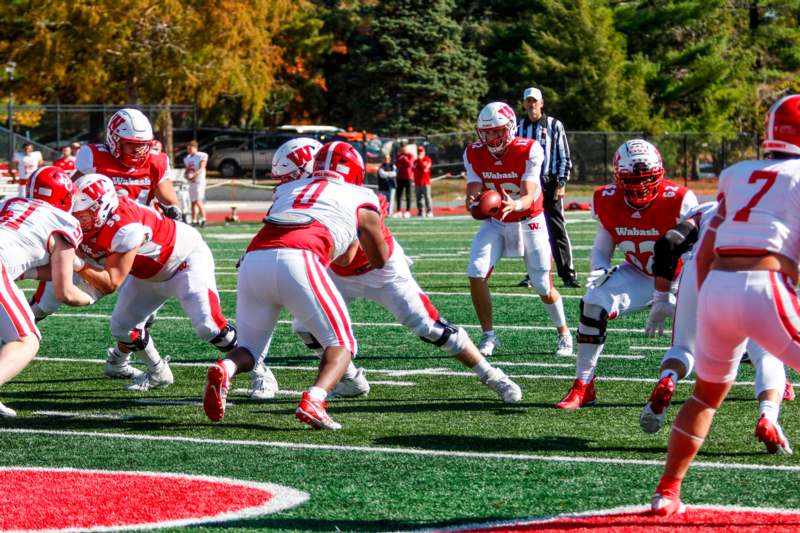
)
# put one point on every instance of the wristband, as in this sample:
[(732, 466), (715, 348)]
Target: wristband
[(518, 205), (661, 296), (78, 264)]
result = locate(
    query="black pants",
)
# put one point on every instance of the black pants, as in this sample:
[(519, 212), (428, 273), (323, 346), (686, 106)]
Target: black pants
[(557, 227), (404, 187)]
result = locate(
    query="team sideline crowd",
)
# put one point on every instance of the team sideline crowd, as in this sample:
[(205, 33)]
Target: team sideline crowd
[(725, 272)]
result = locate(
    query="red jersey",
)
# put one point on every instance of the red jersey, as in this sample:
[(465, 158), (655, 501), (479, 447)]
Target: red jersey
[(522, 161), (133, 225), (360, 264), (422, 171), (138, 184), (635, 231), (67, 164)]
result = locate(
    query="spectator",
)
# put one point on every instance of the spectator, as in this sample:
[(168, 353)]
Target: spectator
[(555, 174), (75, 146), (422, 182), (195, 164), (27, 162), (67, 160), (387, 181), (405, 160), (156, 147)]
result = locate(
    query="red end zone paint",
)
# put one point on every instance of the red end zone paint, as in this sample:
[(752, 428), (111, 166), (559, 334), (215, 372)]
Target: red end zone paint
[(34, 499), (709, 519)]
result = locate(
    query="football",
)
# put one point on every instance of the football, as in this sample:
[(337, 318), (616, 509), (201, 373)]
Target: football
[(486, 205)]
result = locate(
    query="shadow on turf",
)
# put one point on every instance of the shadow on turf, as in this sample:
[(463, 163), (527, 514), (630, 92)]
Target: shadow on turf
[(311, 524)]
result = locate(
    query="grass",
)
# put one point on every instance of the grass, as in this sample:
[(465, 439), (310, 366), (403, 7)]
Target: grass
[(536, 461)]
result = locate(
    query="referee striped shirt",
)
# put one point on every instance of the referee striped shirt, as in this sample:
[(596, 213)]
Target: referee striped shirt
[(549, 132)]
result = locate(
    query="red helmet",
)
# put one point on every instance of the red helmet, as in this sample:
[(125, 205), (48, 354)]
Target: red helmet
[(339, 160), (51, 185), (782, 126), (638, 170)]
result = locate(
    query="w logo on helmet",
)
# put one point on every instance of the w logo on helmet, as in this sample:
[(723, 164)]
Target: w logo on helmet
[(94, 190), (506, 112), (301, 156), (116, 121)]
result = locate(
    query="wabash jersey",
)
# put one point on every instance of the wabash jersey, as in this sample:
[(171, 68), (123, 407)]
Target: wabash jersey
[(522, 161), (332, 207), (635, 231), (134, 225), (762, 209), (138, 184), (26, 226)]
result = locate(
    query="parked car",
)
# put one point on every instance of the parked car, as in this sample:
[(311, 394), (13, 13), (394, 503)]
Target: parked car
[(231, 158)]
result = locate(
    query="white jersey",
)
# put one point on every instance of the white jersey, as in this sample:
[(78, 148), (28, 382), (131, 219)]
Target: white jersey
[(762, 208), (26, 226), (317, 214), (192, 164)]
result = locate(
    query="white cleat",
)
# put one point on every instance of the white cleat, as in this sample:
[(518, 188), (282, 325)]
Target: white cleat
[(154, 378), (564, 346), (651, 422), (263, 384), (503, 386), (351, 387), (7, 412), (488, 343), (118, 366)]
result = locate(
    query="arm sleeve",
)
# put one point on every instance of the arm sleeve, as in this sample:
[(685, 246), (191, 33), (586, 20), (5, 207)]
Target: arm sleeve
[(84, 161), (129, 237), (563, 161), (533, 166), (602, 250), (472, 176)]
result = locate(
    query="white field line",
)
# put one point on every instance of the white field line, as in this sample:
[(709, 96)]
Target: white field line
[(224, 272), (650, 348), (418, 452), (393, 373), (364, 324), (75, 414)]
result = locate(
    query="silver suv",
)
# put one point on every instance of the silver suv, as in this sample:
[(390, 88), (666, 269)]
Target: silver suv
[(234, 158)]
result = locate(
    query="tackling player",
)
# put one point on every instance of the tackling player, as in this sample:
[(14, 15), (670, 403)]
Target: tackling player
[(38, 238), (633, 213), (510, 165)]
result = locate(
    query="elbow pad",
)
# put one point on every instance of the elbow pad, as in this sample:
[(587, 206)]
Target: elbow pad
[(669, 249)]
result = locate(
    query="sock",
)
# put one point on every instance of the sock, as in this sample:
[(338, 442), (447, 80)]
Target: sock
[(230, 366), (488, 332), (669, 373), (483, 368), (150, 355), (318, 393), (588, 354), (770, 410), (669, 486), (119, 354), (351, 371), (556, 312)]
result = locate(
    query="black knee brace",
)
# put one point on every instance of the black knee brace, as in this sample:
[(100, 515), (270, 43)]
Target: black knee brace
[(138, 340), (599, 324), (226, 340)]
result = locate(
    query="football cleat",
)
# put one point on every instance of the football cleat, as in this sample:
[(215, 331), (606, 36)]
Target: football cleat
[(664, 505), (7, 412), (497, 380), (579, 395), (772, 436), (351, 387), (788, 392), (263, 384), (564, 346), (118, 366), (154, 378), (488, 343), (655, 412), (216, 395), (313, 413)]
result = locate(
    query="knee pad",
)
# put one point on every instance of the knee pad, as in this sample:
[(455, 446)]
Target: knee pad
[(310, 341), (683, 355), (226, 340), (540, 281), (593, 324), (450, 338), (136, 340)]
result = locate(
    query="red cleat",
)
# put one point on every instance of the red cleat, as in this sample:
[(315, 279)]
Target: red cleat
[(216, 395), (313, 412), (788, 392), (579, 395), (655, 412), (772, 436)]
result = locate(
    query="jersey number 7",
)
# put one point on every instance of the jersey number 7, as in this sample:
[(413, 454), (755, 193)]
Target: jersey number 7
[(743, 214)]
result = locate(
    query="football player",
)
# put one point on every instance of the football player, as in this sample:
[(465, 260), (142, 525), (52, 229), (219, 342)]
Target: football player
[(633, 213), (312, 222), (678, 361), (511, 166), (149, 258), (747, 269), (395, 288), (38, 238)]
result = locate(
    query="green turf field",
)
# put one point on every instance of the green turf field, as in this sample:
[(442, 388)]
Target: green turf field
[(430, 446)]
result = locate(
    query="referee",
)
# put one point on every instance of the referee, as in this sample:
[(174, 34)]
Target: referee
[(549, 132)]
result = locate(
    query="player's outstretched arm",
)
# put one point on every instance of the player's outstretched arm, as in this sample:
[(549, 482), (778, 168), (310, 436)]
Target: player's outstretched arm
[(370, 235), (62, 258), (117, 268)]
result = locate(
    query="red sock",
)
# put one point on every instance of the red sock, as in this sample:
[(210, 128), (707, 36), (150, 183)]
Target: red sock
[(669, 486)]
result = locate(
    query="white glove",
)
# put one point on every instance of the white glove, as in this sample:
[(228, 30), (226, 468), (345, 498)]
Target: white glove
[(598, 276), (93, 292), (663, 307), (78, 264)]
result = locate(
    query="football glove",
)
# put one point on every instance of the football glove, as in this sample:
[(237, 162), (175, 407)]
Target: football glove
[(599, 276), (663, 307), (171, 211)]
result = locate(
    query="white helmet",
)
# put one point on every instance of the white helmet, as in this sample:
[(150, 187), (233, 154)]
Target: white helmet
[(639, 171), (94, 193), (294, 160), (496, 127), (129, 136)]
